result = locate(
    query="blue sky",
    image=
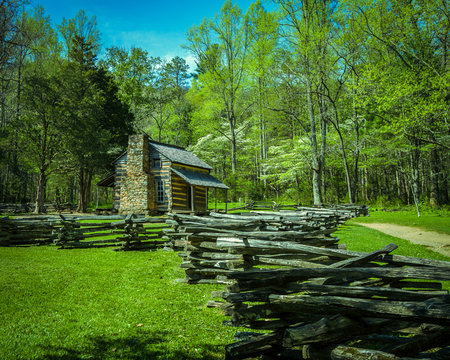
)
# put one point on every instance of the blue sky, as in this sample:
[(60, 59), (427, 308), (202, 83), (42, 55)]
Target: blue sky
[(156, 26)]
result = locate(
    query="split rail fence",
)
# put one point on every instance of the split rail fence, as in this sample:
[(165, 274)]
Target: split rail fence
[(306, 297), (124, 233), (352, 210), (196, 237), (29, 207)]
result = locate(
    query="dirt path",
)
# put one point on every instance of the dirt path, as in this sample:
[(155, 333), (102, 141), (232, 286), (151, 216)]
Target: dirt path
[(435, 241)]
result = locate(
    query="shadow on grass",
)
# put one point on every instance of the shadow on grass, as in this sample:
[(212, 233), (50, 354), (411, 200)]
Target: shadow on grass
[(138, 347)]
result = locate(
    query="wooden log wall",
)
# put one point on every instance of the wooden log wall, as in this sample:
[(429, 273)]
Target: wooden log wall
[(119, 174), (124, 233), (180, 198), (181, 194)]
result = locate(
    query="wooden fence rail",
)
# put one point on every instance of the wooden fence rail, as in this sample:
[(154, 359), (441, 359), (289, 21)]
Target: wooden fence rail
[(29, 207), (286, 276), (382, 303), (196, 239), (125, 233), (345, 210)]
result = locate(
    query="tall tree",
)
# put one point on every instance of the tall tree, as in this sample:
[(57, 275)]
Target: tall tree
[(175, 74), (95, 119), (41, 100), (307, 29), (263, 39), (221, 46), (134, 70), (39, 127)]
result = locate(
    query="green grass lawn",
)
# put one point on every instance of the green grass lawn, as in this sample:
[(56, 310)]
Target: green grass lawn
[(101, 304), (431, 220)]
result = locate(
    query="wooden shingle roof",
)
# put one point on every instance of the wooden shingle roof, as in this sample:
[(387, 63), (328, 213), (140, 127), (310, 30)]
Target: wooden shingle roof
[(179, 155), (199, 179)]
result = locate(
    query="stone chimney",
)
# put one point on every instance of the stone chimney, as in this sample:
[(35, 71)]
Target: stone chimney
[(137, 193)]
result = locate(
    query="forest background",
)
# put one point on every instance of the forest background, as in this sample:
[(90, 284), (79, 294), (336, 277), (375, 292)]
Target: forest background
[(314, 101)]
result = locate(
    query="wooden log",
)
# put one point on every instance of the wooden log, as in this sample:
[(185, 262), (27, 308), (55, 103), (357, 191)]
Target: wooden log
[(364, 292), (82, 236), (244, 313), (400, 260), (209, 271), (233, 242), (207, 245), (248, 217), (442, 354), (150, 220), (94, 217), (347, 291), (363, 259), (28, 236), (190, 255), (405, 284), (425, 273), (432, 310), (221, 264), (266, 235), (81, 245), (266, 324), (431, 336), (328, 329), (285, 262), (254, 345), (352, 353), (201, 281), (262, 295), (218, 304)]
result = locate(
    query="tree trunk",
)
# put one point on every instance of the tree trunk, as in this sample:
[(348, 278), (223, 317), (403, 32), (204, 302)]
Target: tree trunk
[(414, 183), (387, 190), (233, 143), (85, 178), (398, 183), (443, 175), (434, 178), (40, 193), (323, 131), (348, 179), (317, 175), (357, 144), (356, 168)]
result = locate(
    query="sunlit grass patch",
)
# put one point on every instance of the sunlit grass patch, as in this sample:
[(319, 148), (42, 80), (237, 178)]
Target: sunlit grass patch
[(433, 221), (101, 304)]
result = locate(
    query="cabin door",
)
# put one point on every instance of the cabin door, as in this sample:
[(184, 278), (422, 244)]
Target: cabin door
[(189, 197)]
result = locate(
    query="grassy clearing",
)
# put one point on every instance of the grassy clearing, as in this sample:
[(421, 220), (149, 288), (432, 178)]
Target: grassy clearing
[(430, 220), (360, 238), (101, 304)]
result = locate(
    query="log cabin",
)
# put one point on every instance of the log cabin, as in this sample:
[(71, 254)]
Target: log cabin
[(152, 177)]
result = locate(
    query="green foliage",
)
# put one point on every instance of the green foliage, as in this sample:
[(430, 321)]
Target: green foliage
[(348, 99)]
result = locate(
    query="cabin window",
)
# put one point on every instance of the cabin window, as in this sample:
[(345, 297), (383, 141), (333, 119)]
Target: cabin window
[(160, 197), (156, 164)]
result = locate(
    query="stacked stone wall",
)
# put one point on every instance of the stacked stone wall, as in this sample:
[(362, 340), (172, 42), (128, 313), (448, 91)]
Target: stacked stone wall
[(137, 193)]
